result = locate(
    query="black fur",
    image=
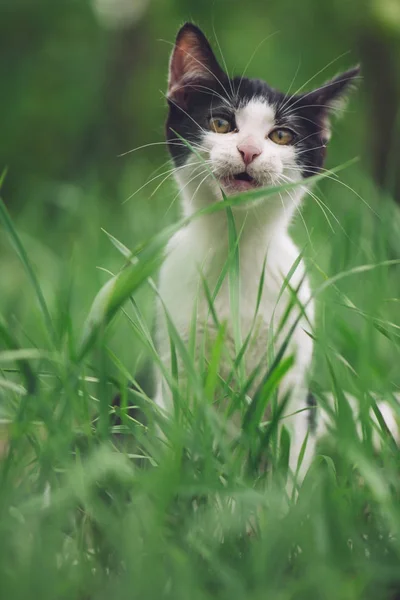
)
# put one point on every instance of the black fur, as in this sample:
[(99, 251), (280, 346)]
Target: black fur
[(312, 414)]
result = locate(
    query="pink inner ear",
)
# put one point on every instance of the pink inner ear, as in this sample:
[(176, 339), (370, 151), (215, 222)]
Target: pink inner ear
[(185, 62)]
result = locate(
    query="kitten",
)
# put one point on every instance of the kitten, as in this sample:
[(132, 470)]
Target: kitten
[(251, 136)]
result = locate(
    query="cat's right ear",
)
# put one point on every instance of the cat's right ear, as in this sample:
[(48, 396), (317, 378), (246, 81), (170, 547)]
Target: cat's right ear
[(192, 61)]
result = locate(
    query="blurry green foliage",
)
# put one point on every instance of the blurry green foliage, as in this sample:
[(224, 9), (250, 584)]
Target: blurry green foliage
[(78, 92), (80, 520)]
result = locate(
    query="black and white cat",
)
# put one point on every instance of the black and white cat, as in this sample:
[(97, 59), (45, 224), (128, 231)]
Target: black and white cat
[(250, 136)]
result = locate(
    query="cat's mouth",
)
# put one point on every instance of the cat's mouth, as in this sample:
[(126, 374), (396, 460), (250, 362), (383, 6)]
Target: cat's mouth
[(240, 182), (244, 177)]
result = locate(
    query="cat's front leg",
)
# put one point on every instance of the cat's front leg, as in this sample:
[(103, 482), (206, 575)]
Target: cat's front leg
[(300, 411), (302, 444)]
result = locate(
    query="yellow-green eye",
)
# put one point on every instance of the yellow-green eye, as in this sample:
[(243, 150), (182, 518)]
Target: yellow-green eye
[(282, 136), (220, 125)]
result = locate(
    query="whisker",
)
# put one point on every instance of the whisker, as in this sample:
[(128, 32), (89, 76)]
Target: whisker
[(141, 147), (335, 178), (354, 192), (288, 112), (199, 163), (321, 88), (186, 113), (168, 161), (195, 145), (298, 210), (291, 83), (275, 182), (200, 184), (315, 170), (170, 172), (182, 188), (211, 92), (324, 207), (283, 204), (223, 58), (164, 143), (321, 206), (301, 140), (316, 75), (310, 150), (252, 57), (303, 118)]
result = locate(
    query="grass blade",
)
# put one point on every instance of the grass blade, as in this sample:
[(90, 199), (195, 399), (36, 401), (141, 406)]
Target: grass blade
[(23, 256)]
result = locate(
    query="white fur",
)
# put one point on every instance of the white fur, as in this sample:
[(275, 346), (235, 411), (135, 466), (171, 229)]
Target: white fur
[(202, 247)]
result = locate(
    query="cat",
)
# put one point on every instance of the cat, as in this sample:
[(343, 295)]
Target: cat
[(250, 136)]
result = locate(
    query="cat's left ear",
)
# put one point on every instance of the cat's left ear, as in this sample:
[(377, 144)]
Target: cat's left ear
[(332, 96), (192, 61)]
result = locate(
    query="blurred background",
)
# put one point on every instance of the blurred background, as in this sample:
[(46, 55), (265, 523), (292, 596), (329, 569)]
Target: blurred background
[(82, 84)]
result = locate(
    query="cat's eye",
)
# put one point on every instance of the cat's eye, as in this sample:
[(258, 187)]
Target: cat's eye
[(219, 125), (282, 136)]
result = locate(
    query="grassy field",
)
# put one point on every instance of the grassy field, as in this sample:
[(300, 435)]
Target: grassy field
[(94, 510)]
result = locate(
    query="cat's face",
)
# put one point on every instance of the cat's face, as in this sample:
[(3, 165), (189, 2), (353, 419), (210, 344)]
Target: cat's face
[(250, 134)]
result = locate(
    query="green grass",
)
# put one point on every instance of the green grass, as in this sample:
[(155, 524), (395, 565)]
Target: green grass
[(90, 510)]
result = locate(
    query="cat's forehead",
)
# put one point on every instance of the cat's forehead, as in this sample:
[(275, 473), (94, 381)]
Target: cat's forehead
[(258, 113)]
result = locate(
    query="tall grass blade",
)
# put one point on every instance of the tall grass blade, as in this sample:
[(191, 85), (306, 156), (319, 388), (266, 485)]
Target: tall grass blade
[(23, 256)]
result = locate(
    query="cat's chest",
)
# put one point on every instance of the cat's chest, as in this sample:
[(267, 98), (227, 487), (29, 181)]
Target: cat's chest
[(204, 288), (255, 304), (242, 287), (248, 292), (250, 279)]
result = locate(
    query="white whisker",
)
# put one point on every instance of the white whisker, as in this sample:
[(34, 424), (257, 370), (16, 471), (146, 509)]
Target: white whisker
[(200, 184), (208, 89), (185, 113), (164, 143), (322, 87), (335, 178), (223, 59), (289, 112), (182, 188), (251, 58), (298, 209), (302, 140), (310, 150), (291, 83), (324, 207), (313, 77), (200, 164), (170, 172)]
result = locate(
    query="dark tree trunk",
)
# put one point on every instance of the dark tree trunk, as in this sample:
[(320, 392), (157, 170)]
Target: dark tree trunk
[(380, 68)]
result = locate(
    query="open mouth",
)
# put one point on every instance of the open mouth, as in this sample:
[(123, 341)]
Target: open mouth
[(239, 183), (244, 177)]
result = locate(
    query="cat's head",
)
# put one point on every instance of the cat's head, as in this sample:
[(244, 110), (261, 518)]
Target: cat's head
[(249, 134)]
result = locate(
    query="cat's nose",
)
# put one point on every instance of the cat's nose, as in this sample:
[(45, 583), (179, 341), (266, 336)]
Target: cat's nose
[(249, 151)]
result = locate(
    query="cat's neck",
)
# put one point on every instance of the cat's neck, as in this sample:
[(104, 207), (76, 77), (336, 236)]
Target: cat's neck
[(260, 222)]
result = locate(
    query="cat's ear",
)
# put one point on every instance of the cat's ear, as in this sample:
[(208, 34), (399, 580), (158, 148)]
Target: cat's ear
[(192, 61), (331, 98)]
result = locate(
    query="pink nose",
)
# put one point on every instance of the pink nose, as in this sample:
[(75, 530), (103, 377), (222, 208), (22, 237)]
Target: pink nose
[(248, 151)]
